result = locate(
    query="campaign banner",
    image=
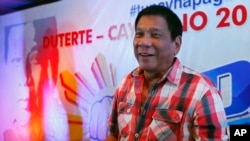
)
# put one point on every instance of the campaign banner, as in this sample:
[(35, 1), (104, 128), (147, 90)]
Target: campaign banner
[(61, 62)]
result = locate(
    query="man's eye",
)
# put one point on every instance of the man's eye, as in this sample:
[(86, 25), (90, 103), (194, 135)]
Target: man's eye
[(138, 34), (156, 35)]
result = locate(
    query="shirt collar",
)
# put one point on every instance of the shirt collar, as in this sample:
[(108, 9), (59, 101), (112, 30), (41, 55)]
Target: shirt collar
[(173, 75)]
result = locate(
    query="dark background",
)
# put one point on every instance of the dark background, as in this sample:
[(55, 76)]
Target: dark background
[(10, 6)]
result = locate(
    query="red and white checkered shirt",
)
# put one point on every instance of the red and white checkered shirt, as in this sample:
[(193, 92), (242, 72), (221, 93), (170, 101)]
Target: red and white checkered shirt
[(184, 105)]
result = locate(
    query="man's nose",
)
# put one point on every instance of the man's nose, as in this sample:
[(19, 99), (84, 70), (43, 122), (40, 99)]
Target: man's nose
[(145, 41)]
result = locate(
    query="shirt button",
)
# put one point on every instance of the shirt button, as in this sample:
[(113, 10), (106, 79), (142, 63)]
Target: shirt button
[(136, 135), (128, 110)]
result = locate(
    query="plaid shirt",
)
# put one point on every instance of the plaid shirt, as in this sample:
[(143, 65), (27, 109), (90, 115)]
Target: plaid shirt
[(183, 105)]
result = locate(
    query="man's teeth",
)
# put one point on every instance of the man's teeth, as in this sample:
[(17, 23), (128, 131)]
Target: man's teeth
[(145, 54)]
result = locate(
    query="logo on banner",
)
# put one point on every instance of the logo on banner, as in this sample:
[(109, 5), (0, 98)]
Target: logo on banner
[(233, 80)]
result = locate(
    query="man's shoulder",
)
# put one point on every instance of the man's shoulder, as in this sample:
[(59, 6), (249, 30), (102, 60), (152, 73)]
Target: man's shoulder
[(194, 74)]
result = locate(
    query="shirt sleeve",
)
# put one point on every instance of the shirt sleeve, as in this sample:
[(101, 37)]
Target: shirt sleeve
[(210, 121), (112, 121)]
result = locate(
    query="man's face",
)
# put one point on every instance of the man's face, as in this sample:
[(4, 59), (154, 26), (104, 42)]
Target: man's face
[(153, 46), (20, 41)]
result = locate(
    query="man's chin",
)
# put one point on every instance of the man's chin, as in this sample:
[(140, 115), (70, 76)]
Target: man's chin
[(147, 68)]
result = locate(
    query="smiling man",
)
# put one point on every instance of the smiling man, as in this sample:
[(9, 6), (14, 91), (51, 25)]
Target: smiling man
[(161, 99)]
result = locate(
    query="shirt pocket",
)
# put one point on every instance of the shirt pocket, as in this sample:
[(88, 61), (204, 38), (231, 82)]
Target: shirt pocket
[(165, 124), (124, 118)]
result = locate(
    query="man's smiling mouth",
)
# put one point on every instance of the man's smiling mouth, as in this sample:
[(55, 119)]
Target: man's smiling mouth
[(145, 54)]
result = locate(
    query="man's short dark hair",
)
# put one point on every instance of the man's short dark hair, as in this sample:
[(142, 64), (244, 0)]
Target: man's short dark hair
[(172, 20)]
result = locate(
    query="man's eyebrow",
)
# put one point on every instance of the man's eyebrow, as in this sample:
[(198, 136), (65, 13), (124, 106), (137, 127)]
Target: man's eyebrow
[(151, 29)]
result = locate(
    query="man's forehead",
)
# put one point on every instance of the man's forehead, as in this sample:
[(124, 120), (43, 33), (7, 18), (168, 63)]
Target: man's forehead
[(153, 21)]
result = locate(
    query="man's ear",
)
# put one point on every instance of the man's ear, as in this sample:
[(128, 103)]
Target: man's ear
[(178, 41)]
